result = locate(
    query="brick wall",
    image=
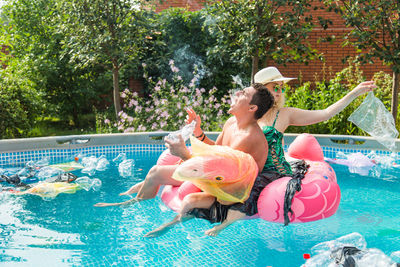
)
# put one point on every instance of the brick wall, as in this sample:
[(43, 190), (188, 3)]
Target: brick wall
[(333, 52), (191, 5)]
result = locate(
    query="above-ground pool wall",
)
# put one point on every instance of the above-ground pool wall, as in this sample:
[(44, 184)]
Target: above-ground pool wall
[(19, 151)]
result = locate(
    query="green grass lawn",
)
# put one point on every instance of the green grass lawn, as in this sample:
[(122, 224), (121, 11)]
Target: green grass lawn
[(51, 126)]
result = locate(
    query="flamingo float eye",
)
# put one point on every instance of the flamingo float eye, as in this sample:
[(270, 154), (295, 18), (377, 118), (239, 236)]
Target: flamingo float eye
[(218, 178)]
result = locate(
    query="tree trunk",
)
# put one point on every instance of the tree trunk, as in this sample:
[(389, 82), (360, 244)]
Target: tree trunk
[(256, 56), (395, 95), (254, 66), (116, 96)]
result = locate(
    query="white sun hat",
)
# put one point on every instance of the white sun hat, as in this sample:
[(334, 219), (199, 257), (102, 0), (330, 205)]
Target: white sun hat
[(270, 74)]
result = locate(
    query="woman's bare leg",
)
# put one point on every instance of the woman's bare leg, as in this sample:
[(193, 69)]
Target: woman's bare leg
[(232, 216), (191, 201), (157, 176)]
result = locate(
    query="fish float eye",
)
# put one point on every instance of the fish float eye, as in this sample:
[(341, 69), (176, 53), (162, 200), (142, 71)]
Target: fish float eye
[(218, 178)]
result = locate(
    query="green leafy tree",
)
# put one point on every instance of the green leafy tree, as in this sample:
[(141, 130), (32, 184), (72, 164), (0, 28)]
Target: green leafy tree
[(375, 32), (107, 33), (256, 30), (32, 31), (20, 103)]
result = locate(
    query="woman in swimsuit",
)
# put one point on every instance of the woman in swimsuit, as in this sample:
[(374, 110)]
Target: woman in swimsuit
[(278, 118)]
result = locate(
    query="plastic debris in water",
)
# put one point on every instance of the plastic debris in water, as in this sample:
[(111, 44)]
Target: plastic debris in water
[(92, 164), (102, 163), (125, 168), (348, 250), (87, 183), (121, 157), (372, 117)]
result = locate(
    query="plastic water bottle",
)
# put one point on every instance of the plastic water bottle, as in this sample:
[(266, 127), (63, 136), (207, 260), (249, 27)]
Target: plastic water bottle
[(185, 132), (102, 163), (121, 157), (125, 168)]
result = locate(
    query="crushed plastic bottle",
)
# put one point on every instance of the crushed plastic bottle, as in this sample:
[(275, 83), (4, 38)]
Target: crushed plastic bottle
[(185, 132), (89, 164), (87, 183), (102, 163), (372, 117), (353, 239), (348, 249), (47, 172), (125, 168), (121, 157)]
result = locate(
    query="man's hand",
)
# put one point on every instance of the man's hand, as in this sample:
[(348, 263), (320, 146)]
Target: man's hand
[(178, 148), (193, 116)]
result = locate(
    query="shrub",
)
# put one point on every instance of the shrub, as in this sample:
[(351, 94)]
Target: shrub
[(164, 109), (20, 103)]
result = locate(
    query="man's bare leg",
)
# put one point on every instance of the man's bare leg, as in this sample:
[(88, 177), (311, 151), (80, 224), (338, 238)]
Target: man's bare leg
[(157, 176), (232, 216), (167, 226), (191, 201), (134, 189), (125, 203)]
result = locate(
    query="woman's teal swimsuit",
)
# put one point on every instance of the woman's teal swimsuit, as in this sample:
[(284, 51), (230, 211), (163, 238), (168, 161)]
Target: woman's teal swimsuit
[(276, 156)]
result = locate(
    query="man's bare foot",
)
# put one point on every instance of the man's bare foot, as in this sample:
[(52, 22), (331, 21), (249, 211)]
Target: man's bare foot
[(214, 231), (125, 203)]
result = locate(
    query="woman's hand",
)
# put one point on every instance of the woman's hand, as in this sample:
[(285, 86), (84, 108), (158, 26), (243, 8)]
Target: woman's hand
[(364, 87), (178, 148), (193, 116)]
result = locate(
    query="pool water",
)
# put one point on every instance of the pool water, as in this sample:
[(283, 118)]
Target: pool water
[(69, 231)]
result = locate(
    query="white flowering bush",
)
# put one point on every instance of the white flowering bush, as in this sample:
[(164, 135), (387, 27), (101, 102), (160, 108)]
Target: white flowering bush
[(164, 109)]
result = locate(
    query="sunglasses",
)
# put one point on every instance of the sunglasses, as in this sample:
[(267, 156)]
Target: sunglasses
[(277, 87)]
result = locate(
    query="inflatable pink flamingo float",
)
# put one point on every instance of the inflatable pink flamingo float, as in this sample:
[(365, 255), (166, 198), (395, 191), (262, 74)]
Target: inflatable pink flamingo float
[(318, 198)]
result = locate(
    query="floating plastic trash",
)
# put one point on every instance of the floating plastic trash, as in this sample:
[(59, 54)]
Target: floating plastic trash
[(185, 132), (47, 172), (90, 164), (372, 117), (121, 157), (87, 183), (125, 168), (349, 250), (102, 163), (356, 162)]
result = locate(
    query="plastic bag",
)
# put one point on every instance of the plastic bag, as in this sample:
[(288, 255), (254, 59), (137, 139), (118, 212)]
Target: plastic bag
[(185, 132), (372, 117)]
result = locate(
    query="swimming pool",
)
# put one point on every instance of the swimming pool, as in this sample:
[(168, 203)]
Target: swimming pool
[(69, 231)]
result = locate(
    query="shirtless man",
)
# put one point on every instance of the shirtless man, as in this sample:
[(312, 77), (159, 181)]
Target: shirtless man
[(240, 132)]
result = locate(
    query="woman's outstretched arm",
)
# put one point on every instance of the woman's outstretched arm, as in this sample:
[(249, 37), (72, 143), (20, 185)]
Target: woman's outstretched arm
[(301, 117)]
